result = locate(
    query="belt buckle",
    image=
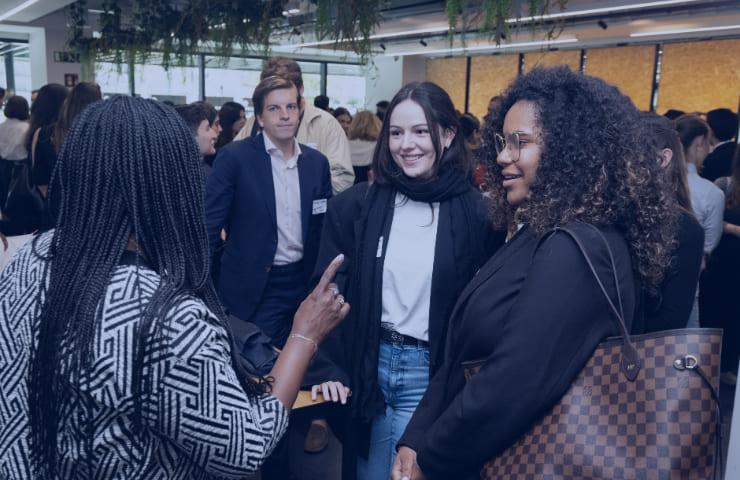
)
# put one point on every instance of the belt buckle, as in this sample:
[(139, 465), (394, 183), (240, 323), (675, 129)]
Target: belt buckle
[(396, 337)]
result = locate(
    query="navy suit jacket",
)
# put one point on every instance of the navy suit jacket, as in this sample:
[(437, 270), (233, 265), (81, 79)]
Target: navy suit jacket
[(240, 197)]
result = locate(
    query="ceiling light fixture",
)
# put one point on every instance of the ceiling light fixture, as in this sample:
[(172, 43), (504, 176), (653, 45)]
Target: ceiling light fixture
[(378, 36), (479, 48), (382, 46), (685, 30), (423, 43), (602, 24), (591, 11), (445, 28), (17, 9)]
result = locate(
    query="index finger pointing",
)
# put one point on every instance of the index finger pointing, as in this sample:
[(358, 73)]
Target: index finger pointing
[(329, 273)]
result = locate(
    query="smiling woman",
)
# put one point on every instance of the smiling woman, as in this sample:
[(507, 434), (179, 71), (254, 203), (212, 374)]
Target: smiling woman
[(414, 237), (534, 312)]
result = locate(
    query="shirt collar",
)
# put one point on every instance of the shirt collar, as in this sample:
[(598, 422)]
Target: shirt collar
[(271, 150)]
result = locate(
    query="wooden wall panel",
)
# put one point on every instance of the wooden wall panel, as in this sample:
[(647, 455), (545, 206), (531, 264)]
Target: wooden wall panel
[(571, 58), (449, 73), (628, 68), (489, 76), (700, 76)]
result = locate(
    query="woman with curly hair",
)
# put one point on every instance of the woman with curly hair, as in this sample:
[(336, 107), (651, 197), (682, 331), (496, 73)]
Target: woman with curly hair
[(572, 154)]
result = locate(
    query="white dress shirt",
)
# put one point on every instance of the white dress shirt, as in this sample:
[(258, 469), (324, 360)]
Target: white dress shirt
[(287, 203), (708, 203), (12, 139), (408, 267)]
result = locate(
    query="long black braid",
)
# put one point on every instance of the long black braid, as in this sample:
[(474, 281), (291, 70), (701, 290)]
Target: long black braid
[(128, 169)]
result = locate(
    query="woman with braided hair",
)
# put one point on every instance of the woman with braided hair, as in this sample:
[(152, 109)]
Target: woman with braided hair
[(116, 359)]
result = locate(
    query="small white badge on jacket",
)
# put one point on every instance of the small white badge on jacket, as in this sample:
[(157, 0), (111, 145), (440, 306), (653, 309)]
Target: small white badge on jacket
[(319, 206)]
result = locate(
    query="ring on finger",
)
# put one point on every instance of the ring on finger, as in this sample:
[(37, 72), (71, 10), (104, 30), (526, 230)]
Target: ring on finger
[(340, 299), (334, 290)]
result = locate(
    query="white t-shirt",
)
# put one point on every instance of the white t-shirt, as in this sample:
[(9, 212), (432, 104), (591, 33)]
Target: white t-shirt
[(408, 266)]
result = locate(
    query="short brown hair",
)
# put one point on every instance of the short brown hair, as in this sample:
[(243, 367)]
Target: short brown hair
[(268, 85), (283, 67), (365, 126)]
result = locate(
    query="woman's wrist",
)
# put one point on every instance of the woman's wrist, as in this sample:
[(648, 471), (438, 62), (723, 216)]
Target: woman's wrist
[(304, 338)]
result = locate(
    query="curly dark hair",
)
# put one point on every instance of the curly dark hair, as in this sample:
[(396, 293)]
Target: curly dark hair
[(597, 166)]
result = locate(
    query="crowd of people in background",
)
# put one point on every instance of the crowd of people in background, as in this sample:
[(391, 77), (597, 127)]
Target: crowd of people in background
[(429, 229)]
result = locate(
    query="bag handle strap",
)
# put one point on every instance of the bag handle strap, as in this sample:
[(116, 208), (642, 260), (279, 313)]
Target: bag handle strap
[(630, 364)]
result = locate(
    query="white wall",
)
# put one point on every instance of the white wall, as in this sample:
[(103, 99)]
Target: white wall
[(56, 29), (384, 79), (388, 75)]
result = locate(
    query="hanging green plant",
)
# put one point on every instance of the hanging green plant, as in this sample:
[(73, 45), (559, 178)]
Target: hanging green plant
[(178, 30), (493, 17)]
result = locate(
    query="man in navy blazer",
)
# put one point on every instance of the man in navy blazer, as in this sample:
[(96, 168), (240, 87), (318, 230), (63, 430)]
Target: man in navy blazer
[(269, 193)]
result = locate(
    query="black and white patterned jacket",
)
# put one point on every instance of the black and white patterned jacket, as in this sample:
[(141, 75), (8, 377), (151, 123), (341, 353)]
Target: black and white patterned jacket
[(199, 422)]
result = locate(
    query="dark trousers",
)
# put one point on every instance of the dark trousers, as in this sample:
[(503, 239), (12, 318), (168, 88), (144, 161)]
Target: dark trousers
[(285, 290)]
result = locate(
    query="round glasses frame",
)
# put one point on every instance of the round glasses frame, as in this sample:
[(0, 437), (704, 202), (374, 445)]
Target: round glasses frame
[(511, 142)]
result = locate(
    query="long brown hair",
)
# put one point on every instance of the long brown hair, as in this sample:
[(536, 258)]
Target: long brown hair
[(82, 95), (664, 135), (365, 126)]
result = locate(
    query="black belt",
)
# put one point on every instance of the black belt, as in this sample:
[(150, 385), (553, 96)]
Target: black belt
[(392, 336)]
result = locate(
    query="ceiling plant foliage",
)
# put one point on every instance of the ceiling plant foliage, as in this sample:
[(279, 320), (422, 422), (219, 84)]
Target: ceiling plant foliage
[(178, 29)]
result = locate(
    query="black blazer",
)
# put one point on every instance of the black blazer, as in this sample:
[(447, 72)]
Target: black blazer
[(240, 196), (536, 317), (719, 162)]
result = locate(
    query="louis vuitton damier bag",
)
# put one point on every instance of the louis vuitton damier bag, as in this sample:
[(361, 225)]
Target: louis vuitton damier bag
[(643, 407)]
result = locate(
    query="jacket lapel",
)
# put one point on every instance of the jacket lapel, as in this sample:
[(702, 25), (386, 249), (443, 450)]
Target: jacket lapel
[(304, 184), (264, 173), (492, 266)]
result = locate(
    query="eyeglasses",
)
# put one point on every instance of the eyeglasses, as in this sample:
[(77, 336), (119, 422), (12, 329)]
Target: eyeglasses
[(511, 141)]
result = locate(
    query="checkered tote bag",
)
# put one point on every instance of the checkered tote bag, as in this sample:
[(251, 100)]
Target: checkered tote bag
[(643, 407)]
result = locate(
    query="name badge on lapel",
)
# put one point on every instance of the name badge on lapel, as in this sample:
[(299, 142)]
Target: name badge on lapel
[(319, 206)]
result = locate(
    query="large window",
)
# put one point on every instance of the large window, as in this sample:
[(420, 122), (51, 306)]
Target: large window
[(311, 73), (345, 86), (112, 78), (226, 79), (178, 85), (232, 80), (22, 71)]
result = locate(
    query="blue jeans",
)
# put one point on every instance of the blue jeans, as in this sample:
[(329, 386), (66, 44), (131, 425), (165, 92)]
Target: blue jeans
[(403, 375)]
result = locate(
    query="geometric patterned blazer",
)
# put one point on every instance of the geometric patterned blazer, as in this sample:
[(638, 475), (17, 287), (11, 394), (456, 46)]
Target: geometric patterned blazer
[(199, 423)]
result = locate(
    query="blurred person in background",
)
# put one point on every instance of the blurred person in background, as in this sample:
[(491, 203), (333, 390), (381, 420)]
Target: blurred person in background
[(363, 136), (718, 295), (670, 305), (322, 102), (343, 117), (707, 200), (13, 133), (723, 125), (200, 119), (44, 113), (380, 109)]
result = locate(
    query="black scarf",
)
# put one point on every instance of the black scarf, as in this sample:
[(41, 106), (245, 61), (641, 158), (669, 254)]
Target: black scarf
[(449, 189)]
